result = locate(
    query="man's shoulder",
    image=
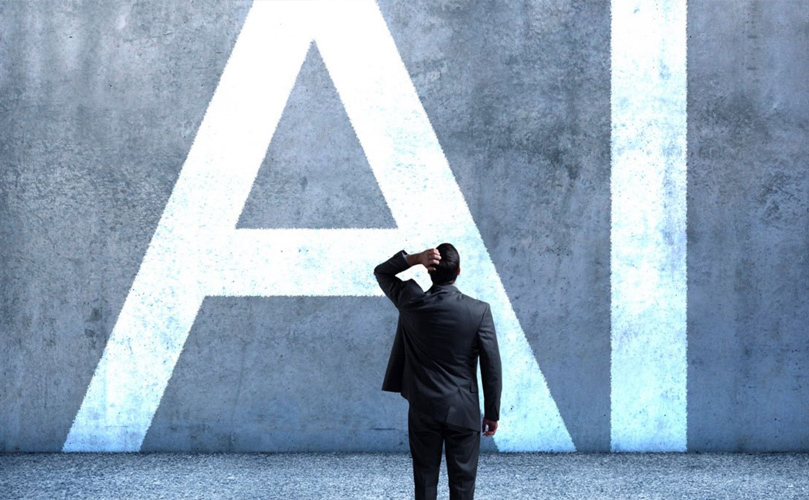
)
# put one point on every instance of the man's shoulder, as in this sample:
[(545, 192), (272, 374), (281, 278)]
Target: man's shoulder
[(412, 292), (473, 303)]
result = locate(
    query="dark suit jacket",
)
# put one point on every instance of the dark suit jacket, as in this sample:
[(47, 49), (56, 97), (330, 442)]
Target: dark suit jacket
[(440, 335)]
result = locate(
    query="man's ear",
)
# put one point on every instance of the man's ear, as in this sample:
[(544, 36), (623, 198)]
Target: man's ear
[(459, 270)]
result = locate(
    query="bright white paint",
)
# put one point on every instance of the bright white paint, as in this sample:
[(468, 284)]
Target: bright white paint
[(648, 184), (197, 252)]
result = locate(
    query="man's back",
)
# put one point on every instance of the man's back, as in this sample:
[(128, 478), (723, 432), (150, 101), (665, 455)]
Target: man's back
[(441, 354), (440, 337)]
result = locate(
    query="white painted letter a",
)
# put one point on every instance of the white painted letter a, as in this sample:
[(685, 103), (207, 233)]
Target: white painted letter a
[(197, 252)]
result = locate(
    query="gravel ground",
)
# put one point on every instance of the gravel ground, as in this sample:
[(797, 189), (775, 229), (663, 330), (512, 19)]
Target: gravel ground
[(388, 475)]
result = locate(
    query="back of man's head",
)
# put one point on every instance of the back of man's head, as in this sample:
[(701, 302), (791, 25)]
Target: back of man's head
[(447, 269)]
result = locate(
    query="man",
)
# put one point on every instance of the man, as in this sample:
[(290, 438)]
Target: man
[(433, 364)]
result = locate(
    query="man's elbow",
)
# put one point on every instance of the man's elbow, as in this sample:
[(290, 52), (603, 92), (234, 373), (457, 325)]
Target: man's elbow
[(379, 270), (379, 275), (382, 279)]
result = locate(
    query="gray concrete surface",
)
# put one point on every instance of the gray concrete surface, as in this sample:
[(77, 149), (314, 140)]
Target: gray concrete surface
[(99, 103), (375, 476), (748, 225)]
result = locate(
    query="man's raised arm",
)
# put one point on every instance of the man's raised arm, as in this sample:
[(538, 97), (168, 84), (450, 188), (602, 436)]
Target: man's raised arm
[(399, 291)]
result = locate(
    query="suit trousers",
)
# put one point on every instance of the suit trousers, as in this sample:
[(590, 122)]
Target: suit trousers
[(427, 437)]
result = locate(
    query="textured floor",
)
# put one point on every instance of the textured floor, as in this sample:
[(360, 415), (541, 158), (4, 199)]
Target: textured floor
[(375, 476)]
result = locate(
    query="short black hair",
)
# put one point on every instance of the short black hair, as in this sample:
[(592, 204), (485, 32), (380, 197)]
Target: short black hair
[(447, 270)]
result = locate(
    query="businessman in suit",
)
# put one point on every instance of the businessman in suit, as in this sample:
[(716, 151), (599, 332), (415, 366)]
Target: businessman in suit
[(433, 364)]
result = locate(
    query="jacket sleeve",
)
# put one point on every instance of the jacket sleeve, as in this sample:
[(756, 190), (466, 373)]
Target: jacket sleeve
[(398, 291), (490, 369), (395, 371)]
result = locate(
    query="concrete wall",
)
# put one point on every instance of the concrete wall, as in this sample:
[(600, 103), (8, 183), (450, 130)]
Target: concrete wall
[(748, 231), (101, 103)]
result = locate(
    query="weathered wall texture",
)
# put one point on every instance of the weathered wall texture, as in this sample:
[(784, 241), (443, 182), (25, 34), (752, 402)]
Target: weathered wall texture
[(99, 105), (748, 228)]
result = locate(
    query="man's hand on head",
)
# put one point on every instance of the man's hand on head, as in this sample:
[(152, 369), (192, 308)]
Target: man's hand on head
[(428, 258), (489, 427)]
